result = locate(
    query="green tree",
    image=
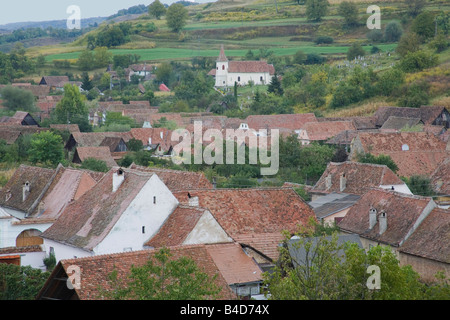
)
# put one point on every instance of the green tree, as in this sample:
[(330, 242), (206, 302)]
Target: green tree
[(164, 278), (86, 60), (102, 57), (94, 165), (390, 81), (349, 10), (417, 61), (16, 99), (176, 17), (275, 86), (380, 159), (414, 95), (316, 9), (86, 80), (393, 32), (414, 7), (164, 73), (356, 50), (72, 108), (420, 185), (424, 25), (156, 9), (409, 42), (135, 144), (46, 148), (20, 282)]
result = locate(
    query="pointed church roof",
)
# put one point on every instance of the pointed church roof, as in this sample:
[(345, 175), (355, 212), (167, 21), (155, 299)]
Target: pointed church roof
[(222, 56)]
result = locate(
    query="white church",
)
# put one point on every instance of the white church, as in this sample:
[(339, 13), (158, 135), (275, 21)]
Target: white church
[(227, 72)]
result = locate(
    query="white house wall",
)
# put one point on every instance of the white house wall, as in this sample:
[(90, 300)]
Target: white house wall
[(246, 77), (207, 230), (63, 251), (127, 233)]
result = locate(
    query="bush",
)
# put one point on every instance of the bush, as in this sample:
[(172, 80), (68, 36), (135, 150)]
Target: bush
[(356, 50), (414, 95), (393, 32), (417, 61), (324, 40), (94, 165), (375, 35)]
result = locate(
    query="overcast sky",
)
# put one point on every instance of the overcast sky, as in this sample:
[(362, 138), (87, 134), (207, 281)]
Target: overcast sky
[(44, 10)]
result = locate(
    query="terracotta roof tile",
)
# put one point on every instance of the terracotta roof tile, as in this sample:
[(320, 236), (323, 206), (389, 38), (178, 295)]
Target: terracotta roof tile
[(99, 153), (176, 179), (402, 212), (359, 177), (250, 67), (440, 178), (280, 121), (430, 240), (319, 131), (95, 270), (243, 212)]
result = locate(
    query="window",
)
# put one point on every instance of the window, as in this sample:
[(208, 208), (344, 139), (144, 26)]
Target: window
[(143, 229), (261, 79), (239, 79), (154, 200), (223, 67)]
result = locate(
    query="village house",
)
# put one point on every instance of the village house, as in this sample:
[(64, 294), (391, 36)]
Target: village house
[(120, 213), (356, 178), (20, 118), (322, 131), (415, 153), (31, 202), (428, 115), (95, 280), (158, 139), (95, 139), (427, 249), (331, 208), (101, 153), (143, 71), (254, 218), (227, 73), (440, 178), (385, 217), (58, 82)]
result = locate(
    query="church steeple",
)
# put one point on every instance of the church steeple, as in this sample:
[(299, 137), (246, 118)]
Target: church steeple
[(222, 56)]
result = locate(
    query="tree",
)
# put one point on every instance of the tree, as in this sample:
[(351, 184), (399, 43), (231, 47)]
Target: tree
[(87, 83), (102, 57), (424, 25), (316, 9), (420, 185), (380, 159), (390, 81), (16, 99), (414, 95), (176, 17), (164, 278), (72, 108), (46, 148), (349, 10), (164, 73), (156, 9), (299, 57), (20, 282), (275, 86), (356, 50), (86, 60), (414, 7), (417, 61), (94, 165), (409, 42), (135, 144), (321, 273), (393, 32)]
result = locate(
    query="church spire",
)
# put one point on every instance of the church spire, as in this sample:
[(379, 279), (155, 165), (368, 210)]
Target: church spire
[(222, 56)]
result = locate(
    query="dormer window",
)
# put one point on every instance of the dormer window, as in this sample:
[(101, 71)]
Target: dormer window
[(405, 147)]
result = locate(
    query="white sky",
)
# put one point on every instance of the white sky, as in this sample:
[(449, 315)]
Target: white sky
[(44, 10)]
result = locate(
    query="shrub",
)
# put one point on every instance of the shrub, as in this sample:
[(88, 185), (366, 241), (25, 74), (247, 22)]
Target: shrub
[(393, 32), (324, 40), (417, 61)]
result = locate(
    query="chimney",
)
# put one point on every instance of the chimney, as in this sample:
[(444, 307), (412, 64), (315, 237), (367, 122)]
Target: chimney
[(150, 141), (383, 222), (372, 217), (25, 190), (161, 134), (328, 181), (193, 201), (118, 178), (342, 182)]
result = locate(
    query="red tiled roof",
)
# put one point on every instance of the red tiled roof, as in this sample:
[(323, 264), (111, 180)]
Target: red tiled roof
[(430, 240), (359, 177), (177, 179), (280, 121), (402, 212), (95, 270), (243, 212), (235, 266), (319, 131), (250, 67), (99, 153), (440, 178), (177, 227), (143, 134)]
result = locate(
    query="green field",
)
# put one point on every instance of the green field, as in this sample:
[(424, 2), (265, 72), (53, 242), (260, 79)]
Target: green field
[(175, 53)]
